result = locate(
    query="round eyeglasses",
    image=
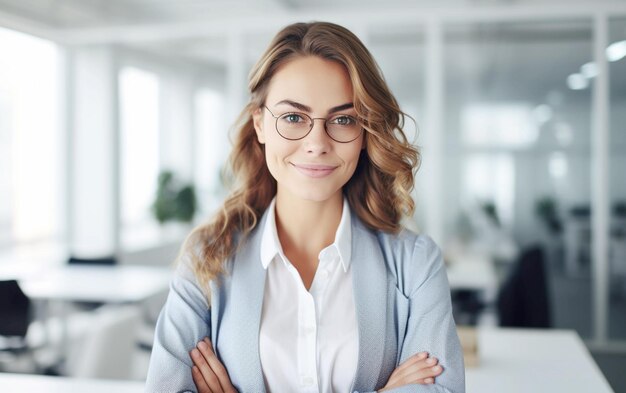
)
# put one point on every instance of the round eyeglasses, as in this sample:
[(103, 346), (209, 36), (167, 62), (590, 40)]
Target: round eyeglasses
[(295, 125)]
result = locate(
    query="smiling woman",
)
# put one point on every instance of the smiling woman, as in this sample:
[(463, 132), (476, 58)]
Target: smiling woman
[(306, 280)]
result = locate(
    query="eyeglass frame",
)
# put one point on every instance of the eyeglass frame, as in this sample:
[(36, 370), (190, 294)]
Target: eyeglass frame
[(276, 117)]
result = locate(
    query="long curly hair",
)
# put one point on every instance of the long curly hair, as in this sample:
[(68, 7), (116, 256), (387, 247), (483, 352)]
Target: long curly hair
[(378, 191)]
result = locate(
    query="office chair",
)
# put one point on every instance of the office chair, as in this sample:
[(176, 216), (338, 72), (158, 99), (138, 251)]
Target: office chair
[(467, 305), (15, 317), (523, 300), (107, 348)]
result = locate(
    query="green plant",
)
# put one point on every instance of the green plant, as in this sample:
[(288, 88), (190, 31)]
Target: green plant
[(174, 201), (546, 209), (489, 208)]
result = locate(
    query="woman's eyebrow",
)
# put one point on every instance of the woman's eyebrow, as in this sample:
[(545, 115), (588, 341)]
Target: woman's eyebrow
[(341, 107), (305, 108)]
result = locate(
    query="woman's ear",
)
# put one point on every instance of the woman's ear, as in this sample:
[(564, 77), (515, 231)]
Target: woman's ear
[(257, 120)]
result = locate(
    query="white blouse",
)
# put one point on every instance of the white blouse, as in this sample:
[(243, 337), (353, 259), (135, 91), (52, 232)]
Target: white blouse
[(308, 340)]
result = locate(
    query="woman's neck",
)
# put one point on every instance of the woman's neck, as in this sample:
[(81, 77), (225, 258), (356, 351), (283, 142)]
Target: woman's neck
[(306, 227)]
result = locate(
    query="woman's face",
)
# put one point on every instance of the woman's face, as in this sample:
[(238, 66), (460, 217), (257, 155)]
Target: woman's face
[(316, 167)]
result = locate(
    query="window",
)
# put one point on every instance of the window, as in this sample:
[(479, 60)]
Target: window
[(31, 143), (139, 148)]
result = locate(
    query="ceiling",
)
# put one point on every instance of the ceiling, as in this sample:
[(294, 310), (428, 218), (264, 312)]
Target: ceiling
[(91, 13), (530, 58)]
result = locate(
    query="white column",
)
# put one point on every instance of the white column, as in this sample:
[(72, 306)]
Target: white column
[(431, 171), (93, 177), (600, 181)]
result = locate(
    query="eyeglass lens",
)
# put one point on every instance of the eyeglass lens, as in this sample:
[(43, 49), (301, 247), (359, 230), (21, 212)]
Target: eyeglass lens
[(341, 128)]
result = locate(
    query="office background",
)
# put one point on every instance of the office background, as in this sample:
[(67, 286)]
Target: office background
[(519, 107)]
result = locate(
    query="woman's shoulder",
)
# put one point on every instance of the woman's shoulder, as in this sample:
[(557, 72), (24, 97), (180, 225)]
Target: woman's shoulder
[(406, 242), (195, 263), (411, 257)]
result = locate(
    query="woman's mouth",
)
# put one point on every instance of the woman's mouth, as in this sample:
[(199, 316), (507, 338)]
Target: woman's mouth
[(315, 170)]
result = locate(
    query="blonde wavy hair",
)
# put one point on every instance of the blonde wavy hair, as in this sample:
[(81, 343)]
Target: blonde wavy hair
[(379, 190)]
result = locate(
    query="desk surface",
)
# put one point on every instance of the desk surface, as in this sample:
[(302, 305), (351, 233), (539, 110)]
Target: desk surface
[(24, 383), (532, 360), (475, 274), (107, 284)]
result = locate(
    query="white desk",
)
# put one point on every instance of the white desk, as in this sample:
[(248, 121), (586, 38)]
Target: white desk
[(475, 274), (115, 284), (24, 383), (519, 360), (106, 284)]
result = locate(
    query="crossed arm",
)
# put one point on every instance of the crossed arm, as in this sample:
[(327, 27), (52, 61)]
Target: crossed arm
[(210, 375)]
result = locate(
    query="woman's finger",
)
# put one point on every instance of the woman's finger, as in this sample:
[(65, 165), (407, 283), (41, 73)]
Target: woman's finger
[(207, 374), (206, 348), (413, 359), (418, 370), (198, 379), (407, 363), (401, 370)]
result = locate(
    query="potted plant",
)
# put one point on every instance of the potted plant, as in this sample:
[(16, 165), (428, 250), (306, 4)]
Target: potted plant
[(547, 210), (174, 201)]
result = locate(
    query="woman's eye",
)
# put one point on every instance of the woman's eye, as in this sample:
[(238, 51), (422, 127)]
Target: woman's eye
[(344, 120), (292, 118)]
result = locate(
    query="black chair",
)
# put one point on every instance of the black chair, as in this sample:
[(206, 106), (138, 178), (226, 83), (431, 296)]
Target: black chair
[(467, 305), (15, 317), (109, 260), (523, 300)]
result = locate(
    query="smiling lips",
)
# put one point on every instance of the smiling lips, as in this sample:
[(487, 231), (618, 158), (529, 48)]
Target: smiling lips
[(314, 170)]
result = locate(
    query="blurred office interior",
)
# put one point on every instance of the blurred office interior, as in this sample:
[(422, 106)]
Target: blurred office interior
[(114, 129)]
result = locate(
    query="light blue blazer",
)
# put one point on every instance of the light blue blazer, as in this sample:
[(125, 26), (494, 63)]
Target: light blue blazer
[(402, 301)]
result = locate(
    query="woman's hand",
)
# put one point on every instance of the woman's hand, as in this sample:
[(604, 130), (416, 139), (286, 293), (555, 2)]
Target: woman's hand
[(418, 369), (208, 373)]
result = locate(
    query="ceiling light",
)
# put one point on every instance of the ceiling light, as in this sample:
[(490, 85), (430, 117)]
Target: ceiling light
[(616, 51), (577, 82), (589, 70)]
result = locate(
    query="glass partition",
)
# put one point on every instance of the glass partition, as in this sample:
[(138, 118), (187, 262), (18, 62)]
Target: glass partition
[(517, 193)]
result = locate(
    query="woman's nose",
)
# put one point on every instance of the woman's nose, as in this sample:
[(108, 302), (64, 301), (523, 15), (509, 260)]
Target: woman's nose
[(318, 141)]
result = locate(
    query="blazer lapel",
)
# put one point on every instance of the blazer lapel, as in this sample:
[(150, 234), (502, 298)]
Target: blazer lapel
[(248, 287), (370, 286)]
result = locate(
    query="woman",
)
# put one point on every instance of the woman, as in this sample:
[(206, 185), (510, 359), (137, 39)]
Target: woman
[(305, 280)]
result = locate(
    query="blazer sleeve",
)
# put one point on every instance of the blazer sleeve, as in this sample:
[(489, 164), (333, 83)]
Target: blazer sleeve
[(430, 326), (182, 323)]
